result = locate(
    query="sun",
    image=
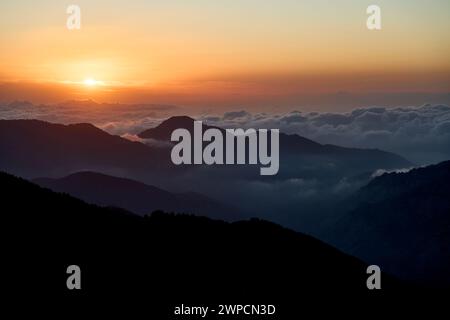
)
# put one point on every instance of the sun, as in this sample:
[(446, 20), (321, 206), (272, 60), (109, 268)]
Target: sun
[(91, 82)]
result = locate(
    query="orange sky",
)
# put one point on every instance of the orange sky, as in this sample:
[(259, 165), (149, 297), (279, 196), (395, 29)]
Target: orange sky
[(211, 52)]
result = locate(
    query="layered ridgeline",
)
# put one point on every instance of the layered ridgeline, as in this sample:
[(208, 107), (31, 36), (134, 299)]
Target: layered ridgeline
[(35, 148), (400, 221), (310, 173), (135, 196), (300, 156), (312, 177), (166, 257)]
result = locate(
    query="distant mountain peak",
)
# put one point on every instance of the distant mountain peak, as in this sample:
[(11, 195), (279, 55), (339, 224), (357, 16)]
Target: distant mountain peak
[(85, 126), (179, 118), (164, 130)]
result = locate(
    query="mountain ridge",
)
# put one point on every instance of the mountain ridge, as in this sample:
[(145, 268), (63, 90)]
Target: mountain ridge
[(165, 257), (166, 127), (135, 196)]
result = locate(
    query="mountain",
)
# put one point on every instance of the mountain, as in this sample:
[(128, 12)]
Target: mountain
[(33, 148), (164, 130), (400, 221), (302, 157), (135, 196), (164, 259), (310, 173)]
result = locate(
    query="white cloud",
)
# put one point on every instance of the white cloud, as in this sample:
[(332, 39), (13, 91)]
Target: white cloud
[(422, 134), (380, 172)]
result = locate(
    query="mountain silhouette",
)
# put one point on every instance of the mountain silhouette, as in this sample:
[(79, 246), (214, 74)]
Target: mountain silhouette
[(400, 221), (164, 130), (166, 258), (302, 157), (34, 148), (135, 196)]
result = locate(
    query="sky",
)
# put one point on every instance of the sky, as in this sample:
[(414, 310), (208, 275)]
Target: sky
[(256, 54)]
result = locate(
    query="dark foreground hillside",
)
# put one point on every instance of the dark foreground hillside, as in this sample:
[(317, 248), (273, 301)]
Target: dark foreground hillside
[(163, 260)]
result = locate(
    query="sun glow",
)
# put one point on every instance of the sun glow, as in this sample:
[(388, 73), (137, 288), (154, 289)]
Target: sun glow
[(92, 82)]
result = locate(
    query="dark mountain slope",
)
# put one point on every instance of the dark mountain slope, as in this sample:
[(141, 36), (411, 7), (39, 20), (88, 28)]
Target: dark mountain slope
[(134, 196), (166, 258), (32, 147), (402, 222)]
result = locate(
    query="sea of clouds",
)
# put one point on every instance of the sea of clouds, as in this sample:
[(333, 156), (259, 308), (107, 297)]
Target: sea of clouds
[(421, 134)]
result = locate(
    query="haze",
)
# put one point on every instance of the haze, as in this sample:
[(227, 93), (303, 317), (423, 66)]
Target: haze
[(251, 54)]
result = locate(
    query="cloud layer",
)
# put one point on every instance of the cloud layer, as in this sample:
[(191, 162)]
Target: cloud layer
[(118, 119), (420, 133)]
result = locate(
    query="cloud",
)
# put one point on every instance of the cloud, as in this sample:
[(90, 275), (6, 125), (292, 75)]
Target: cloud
[(132, 137), (301, 188), (422, 134), (380, 172), (232, 115), (293, 117), (114, 118)]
